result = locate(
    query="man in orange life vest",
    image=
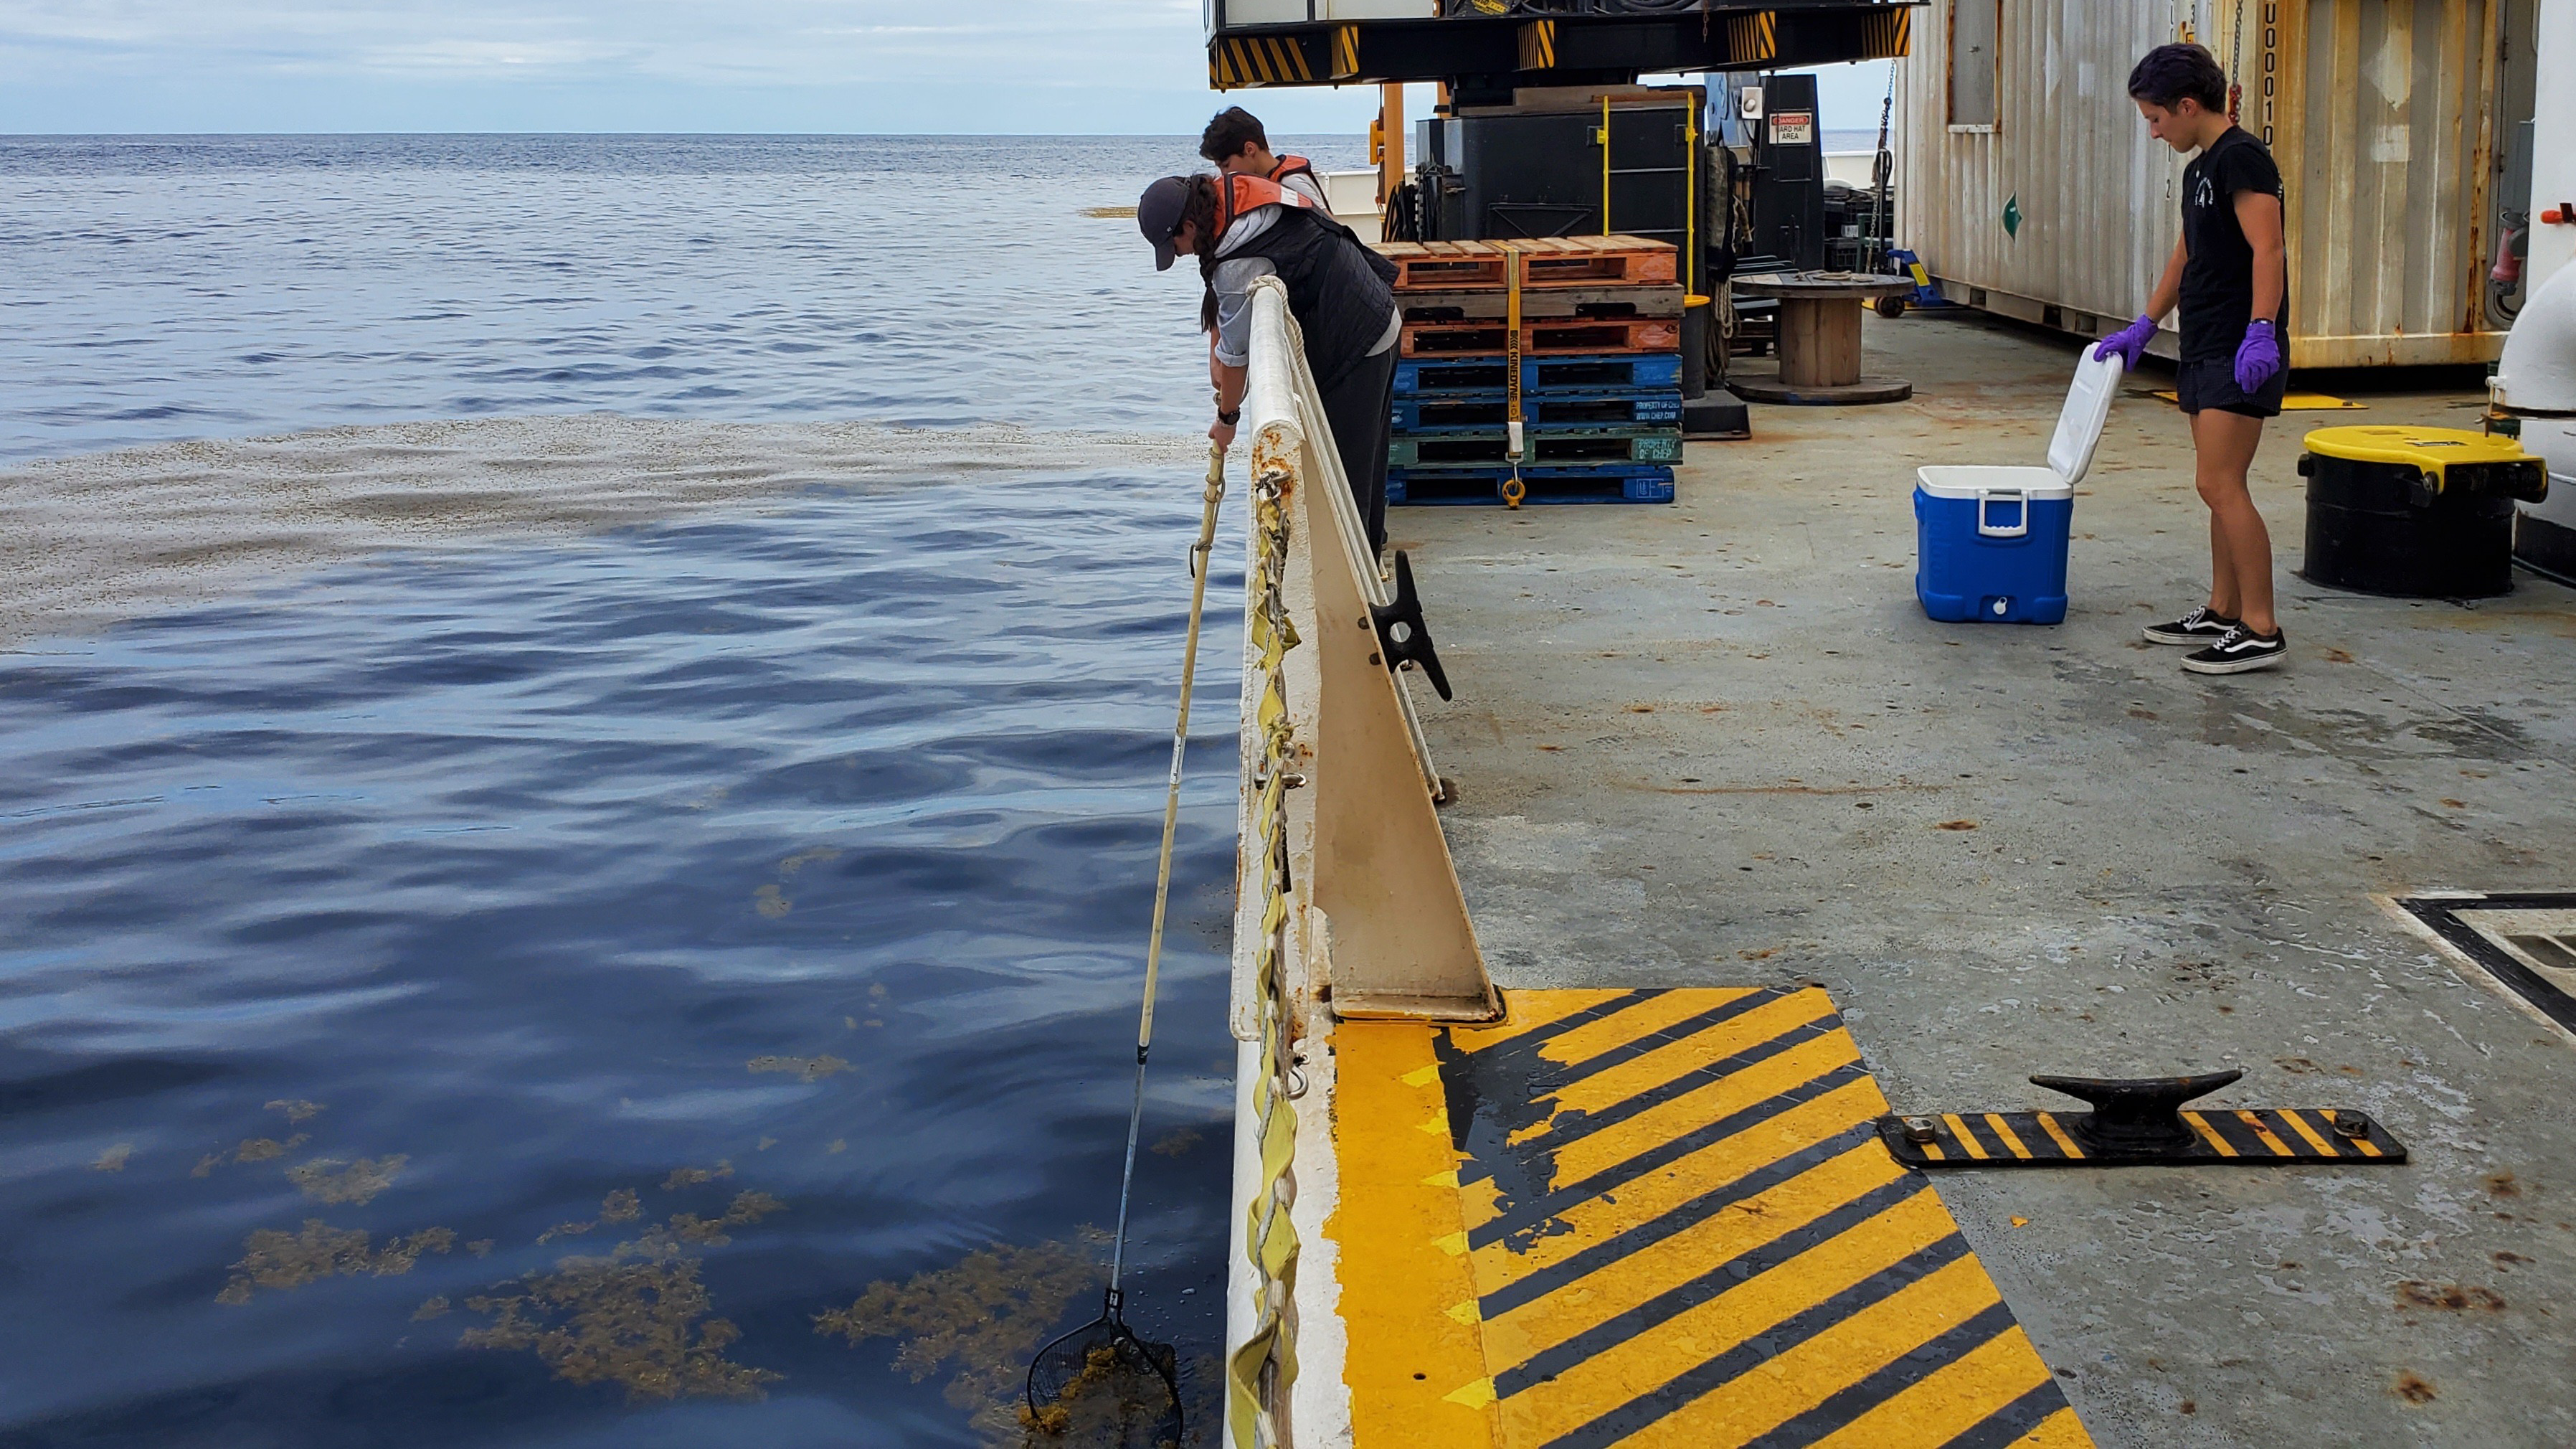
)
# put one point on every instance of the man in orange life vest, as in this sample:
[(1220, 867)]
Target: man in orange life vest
[(1235, 144), (1243, 228)]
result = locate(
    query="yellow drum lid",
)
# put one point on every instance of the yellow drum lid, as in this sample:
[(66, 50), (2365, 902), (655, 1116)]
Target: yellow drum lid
[(2431, 449)]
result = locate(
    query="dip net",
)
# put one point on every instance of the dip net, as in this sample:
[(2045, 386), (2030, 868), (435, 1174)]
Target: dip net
[(1102, 1385)]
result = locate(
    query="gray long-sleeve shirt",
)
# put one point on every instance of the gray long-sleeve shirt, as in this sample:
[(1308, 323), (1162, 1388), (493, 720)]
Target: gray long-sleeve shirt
[(1233, 282)]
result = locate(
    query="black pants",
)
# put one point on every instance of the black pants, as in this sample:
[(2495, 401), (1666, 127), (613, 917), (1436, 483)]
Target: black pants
[(1361, 410)]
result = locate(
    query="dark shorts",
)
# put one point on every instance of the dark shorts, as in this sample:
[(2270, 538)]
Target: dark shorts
[(2212, 385)]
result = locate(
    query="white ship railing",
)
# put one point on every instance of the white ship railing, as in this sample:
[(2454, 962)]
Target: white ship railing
[(1347, 904)]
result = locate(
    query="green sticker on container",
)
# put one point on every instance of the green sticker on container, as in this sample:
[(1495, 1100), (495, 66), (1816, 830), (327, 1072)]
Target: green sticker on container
[(2012, 215)]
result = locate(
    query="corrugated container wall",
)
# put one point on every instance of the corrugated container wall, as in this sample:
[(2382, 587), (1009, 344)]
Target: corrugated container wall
[(2038, 193)]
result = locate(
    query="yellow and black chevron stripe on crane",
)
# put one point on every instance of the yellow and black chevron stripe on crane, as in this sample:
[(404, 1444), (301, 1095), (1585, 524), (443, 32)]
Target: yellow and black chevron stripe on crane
[(1657, 1218), (1887, 34), (1346, 51), (1538, 45), (1258, 60), (1754, 38)]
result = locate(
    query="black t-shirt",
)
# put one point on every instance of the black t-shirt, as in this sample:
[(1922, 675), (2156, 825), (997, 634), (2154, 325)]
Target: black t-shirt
[(2218, 263)]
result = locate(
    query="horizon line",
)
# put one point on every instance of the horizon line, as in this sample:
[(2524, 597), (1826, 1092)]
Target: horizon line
[(835, 135), (676, 135)]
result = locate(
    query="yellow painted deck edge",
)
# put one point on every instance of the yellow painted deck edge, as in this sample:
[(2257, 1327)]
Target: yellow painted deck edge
[(1416, 1361), (1409, 1346)]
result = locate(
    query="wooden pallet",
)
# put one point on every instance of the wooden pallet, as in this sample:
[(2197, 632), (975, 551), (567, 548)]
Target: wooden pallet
[(1556, 261), (1543, 339), (1553, 303)]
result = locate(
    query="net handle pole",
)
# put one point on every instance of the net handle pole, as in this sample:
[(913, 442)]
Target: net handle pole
[(1200, 554)]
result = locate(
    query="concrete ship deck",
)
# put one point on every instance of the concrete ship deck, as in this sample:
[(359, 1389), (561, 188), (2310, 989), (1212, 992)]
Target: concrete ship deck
[(1717, 744)]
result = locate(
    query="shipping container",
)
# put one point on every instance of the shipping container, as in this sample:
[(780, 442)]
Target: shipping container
[(2030, 187)]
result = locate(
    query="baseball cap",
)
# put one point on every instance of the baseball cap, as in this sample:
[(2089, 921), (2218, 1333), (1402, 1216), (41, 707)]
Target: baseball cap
[(1158, 215)]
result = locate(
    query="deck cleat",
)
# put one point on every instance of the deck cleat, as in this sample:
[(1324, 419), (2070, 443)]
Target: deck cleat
[(2139, 1121), (1401, 636)]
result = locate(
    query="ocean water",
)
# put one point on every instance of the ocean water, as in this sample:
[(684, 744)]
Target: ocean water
[(662, 985), (155, 288)]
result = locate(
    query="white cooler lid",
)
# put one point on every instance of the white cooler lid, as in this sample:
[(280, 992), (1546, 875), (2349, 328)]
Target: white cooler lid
[(1981, 480), (2088, 407)]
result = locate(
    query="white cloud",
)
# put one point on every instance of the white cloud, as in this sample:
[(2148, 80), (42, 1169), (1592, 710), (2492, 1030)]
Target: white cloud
[(487, 55)]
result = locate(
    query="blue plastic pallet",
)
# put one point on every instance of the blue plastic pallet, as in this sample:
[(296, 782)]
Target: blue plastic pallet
[(1538, 374), (1541, 412), (1488, 448), (1604, 483)]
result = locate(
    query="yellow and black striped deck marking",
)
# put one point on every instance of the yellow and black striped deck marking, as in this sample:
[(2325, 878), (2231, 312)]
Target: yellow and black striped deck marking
[(1346, 51), (2246, 1136), (1258, 60), (1656, 1217)]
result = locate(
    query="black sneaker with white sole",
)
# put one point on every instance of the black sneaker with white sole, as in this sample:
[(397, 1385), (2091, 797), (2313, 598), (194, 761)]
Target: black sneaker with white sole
[(2200, 626), (2238, 650)]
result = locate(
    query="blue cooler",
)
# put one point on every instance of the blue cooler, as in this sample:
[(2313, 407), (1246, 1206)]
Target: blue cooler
[(1990, 541)]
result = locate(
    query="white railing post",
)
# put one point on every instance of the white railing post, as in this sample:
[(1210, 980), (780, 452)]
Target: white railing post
[(1346, 900), (1378, 900)]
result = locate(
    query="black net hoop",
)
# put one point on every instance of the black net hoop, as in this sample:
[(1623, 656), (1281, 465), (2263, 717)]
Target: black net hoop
[(1102, 1385)]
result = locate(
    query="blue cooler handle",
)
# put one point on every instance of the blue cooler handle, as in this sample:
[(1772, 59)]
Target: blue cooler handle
[(1988, 530)]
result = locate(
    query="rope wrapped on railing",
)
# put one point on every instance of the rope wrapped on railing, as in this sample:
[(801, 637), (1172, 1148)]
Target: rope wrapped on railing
[(1264, 1365), (1348, 897)]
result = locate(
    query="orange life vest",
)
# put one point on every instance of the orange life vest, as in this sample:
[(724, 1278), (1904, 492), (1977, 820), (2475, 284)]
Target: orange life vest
[(1237, 195), (1295, 166)]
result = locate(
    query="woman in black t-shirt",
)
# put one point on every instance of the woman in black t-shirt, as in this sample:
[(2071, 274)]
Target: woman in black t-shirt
[(2228, 275)]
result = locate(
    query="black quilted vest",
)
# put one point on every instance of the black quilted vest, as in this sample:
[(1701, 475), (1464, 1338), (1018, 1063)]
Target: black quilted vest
[(1338, 289)]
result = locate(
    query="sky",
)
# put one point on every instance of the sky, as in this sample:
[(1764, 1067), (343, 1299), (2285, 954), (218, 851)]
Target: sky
[(1027, 67)]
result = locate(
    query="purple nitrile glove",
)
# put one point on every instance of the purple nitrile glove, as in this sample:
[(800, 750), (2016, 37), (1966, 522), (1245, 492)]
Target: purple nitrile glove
[(2257, 358), (2128, 344)]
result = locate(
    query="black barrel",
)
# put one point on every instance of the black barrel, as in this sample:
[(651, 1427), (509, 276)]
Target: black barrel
[(1695, 325), (2392, 528)]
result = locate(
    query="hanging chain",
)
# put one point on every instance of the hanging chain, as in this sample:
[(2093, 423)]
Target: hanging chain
[(2236, 63), (1882, 172)]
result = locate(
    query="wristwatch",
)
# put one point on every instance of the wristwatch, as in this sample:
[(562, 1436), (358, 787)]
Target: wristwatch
[(1230, 418)]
